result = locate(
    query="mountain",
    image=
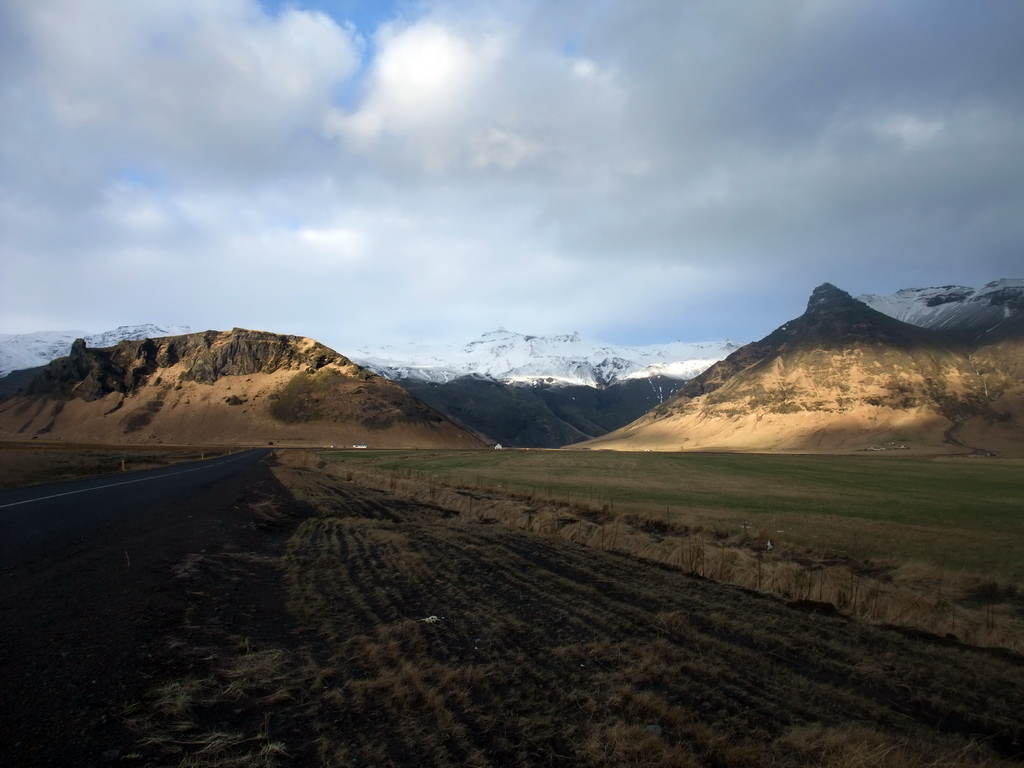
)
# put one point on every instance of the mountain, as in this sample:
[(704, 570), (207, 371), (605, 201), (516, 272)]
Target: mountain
[(517, 389), (541, 415), (844, 376), (234, 387), (969, 313), (561, 360), (543, 391), (33, 350)]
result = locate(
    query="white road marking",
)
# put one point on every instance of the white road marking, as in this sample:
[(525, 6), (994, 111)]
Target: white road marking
[(123, 482)]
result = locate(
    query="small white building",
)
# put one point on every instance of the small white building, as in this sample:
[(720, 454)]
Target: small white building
[(497, 446)]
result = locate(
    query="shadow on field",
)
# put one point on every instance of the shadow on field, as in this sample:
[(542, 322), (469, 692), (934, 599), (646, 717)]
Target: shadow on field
[(413, 634)]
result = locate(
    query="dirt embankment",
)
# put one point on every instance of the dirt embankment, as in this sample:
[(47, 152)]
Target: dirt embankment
[(325, 624)]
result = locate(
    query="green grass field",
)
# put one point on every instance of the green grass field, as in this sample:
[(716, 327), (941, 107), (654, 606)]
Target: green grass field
[(961, 514)]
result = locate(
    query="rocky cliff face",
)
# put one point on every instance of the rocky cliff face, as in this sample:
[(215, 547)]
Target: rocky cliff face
[(90, 374), (843, 375), (833, 324), (222, 387), (19, 351)]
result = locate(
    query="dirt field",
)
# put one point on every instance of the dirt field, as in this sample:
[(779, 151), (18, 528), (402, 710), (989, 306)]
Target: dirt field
[(924, 543), (307, 621)]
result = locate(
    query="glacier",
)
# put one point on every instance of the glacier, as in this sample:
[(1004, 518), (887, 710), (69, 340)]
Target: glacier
[(31, 350), (953, 307), (558, 360)]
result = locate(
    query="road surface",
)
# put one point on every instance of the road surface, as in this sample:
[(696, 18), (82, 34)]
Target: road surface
[(42, 519)]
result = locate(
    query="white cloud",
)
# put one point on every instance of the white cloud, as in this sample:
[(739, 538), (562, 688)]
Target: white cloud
[(912, 131), (584, 68), (135, 212), (423, 76), (634, 165), (184, 85), (503, 149), (455, 94)]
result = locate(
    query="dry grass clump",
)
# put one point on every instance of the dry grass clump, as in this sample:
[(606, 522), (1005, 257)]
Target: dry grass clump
[(629, 744), (175, 721), (859, 746)]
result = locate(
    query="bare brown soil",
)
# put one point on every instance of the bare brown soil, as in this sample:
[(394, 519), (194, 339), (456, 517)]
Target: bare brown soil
[(299, 619)]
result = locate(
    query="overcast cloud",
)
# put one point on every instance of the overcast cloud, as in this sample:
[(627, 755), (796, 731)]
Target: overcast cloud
[(637, 170)]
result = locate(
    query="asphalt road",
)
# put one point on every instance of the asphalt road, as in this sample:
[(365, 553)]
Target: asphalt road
[(43, 519)]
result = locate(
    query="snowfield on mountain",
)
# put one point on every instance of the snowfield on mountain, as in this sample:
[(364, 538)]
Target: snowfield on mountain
[(565, 359)]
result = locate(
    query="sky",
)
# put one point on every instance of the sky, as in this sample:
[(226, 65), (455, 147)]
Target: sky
[(639, 171)]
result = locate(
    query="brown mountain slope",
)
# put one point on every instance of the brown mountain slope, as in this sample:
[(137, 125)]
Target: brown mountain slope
[(236, 387), (843, 377), (1000, 368)]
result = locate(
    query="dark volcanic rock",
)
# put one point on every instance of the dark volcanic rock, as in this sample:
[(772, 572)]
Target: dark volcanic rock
[(835, 319), (244, 353), (85, 373), (90, 374)]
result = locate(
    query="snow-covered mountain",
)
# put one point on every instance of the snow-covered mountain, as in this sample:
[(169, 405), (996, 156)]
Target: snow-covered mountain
[(570, 359), (566, 359), (30, 350), (954, 308)]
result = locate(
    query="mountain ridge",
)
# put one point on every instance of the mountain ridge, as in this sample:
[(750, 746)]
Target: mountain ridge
[(548, 391), (19, 351), (568, 358), (843, 376), (968, 313), (557, 360), (222, 387)]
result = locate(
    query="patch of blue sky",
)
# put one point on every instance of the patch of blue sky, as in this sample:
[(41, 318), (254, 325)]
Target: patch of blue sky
[(139, 178), (348, 94), (365, 15), (287, 223)]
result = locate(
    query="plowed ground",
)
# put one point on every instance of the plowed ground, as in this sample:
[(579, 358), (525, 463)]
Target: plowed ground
[(358, 629)]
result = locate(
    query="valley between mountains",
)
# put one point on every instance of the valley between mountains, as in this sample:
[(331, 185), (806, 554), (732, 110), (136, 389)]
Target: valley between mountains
[(377, 607), (936, 370)]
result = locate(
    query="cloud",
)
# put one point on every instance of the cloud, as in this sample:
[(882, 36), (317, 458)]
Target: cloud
[(188, 89), (635, 170), (423, 78), (467, 95)]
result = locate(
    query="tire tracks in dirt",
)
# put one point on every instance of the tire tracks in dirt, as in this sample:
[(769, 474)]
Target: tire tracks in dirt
[(595, 658)]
